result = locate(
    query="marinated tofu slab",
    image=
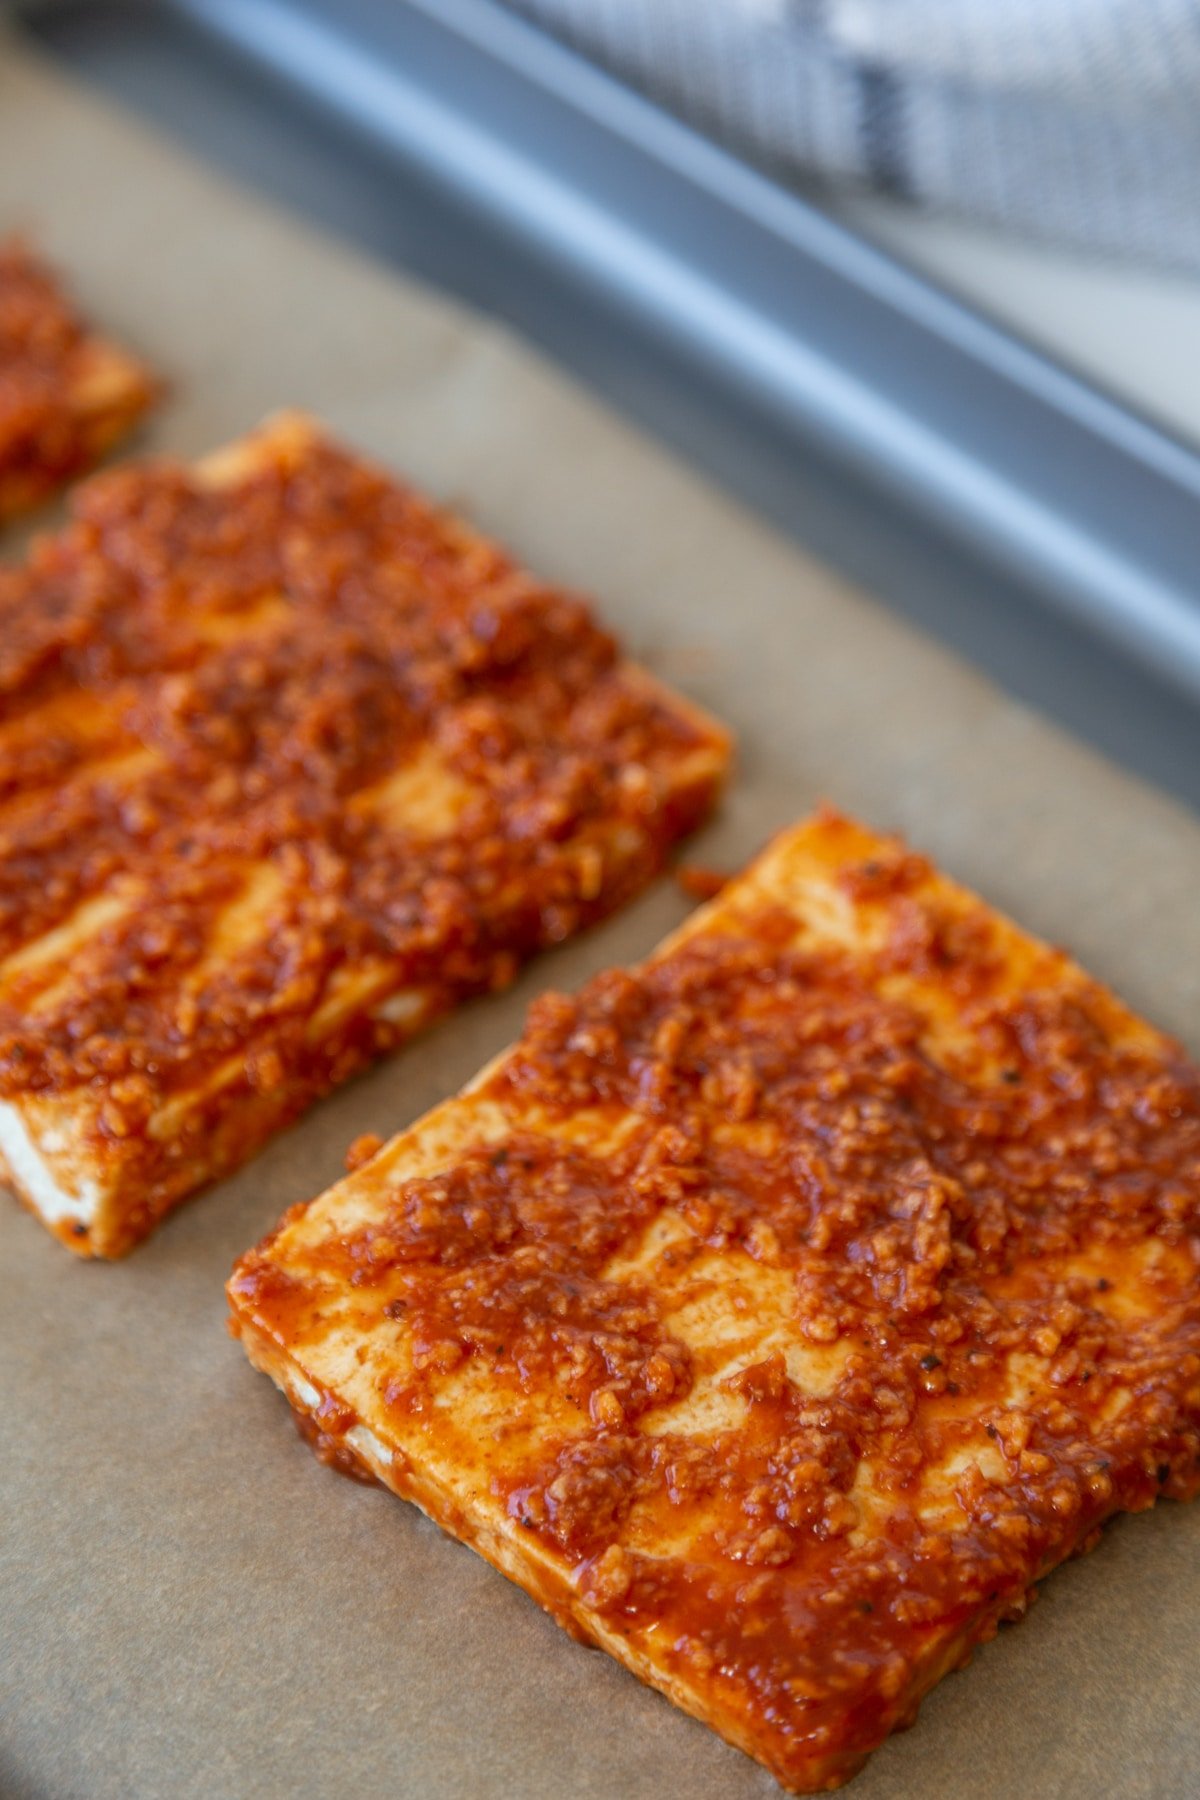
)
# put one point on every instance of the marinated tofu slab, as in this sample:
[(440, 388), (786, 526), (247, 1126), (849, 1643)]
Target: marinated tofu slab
[(67, 395), (290, 762), (778, 1312)]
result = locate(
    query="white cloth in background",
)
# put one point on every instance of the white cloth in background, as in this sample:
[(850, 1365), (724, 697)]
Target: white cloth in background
[(1074, 120)]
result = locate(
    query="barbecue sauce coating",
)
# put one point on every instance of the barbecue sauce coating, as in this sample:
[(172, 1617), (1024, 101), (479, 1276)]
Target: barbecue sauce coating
[(204, 692), (992, 1236), (54, 421)]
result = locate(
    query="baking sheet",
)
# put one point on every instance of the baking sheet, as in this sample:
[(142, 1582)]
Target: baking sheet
[(189, 1604)]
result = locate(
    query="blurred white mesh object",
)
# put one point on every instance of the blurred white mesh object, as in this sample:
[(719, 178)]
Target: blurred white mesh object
[(1073, 120)]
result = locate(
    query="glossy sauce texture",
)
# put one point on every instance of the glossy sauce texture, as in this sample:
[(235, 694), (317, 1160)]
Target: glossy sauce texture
[(291, 761), (65, 395), (798, 1299)]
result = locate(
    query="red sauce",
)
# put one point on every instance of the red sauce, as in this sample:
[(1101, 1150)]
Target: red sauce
[(935, 1216), (46, 355), (264, 652), (699, 883), (327, 1441)]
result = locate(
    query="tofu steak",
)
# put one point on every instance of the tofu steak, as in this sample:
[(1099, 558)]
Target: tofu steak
[(778, 1312), (291, 762)]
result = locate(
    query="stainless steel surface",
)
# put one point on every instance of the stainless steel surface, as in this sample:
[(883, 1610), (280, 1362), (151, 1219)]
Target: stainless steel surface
[(966, 479)]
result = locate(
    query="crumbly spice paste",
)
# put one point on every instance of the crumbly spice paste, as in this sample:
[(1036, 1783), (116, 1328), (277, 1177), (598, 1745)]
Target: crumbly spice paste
[(999, 1237), (205, 690), (64, 395)]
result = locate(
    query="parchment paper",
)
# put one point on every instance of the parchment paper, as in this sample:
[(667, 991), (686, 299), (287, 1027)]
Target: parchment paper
[(191, 1606)]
